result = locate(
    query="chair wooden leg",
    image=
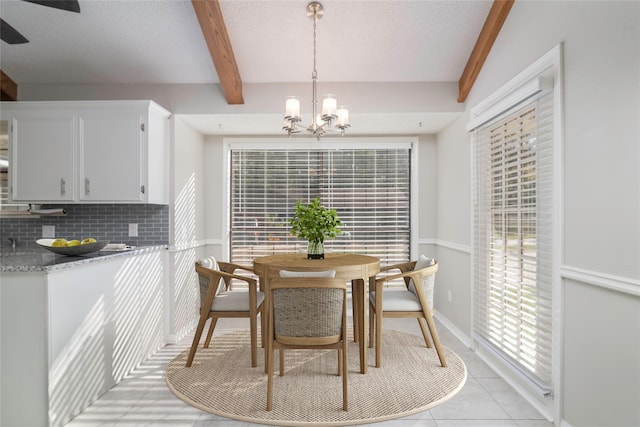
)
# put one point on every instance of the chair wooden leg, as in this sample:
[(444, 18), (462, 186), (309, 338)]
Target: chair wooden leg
[(355, 307), (263, 328), (269, 380), (253, 326), (196, 339), (425, 333), (379, 317), (212, 326), (362, 325), (345, 402), (436, 339), (372, 326), (268, 334), (281, 357)]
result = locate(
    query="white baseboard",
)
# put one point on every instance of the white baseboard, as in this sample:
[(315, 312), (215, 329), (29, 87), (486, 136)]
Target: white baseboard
[(466, 340)]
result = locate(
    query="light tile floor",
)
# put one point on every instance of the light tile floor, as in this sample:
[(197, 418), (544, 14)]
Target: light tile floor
[(143, 398)]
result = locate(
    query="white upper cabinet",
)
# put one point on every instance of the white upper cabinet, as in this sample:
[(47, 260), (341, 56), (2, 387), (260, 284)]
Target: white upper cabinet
[(88, 151), (45, 153), (111, 166)]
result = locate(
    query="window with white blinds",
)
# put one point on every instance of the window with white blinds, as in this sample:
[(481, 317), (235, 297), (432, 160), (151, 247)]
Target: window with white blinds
[(513, 237), (369, 189)]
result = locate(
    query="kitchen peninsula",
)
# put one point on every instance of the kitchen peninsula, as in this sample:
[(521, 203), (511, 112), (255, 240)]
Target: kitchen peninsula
[(72, 327)]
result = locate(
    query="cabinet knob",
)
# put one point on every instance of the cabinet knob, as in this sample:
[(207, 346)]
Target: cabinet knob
[(63, 187), (87, 186)]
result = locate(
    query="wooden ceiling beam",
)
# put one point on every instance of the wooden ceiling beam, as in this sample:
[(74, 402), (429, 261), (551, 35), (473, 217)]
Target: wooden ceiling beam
[(211, 21), (490, 30), (8, 88)]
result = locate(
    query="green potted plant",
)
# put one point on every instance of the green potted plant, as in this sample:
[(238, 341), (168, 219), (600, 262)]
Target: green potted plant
[(314, 223)]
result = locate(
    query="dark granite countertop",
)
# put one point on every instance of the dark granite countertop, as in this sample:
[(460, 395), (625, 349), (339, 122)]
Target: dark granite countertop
[(33, 258)]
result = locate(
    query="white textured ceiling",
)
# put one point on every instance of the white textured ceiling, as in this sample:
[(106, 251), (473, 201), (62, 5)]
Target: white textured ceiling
[(160, 41)]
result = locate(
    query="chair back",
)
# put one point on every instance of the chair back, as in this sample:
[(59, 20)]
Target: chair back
[(423, 274), (210, 277), (308, 310)]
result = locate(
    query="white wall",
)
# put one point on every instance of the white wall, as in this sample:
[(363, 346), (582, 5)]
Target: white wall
[(216, 197), (188, 223), (454, 222), (600, 235), (427, 191)]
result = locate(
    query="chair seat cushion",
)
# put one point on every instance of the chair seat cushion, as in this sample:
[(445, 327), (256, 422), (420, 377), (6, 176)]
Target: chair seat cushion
[(234, 301), (400, 300)]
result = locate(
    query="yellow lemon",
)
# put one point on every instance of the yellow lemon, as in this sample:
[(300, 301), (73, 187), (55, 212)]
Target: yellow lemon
[(74, 243), (88, 240), (59, 243)]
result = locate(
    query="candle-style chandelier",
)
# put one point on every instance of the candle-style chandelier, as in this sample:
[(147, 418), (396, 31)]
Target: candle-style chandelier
[(333, 117)]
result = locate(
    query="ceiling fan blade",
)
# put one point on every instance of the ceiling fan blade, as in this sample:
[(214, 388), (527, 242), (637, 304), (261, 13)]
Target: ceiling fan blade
[(10, 35), (68, 5)]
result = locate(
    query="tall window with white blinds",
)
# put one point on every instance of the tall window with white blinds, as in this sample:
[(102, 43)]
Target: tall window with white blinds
[(513, 237), (369, 189)]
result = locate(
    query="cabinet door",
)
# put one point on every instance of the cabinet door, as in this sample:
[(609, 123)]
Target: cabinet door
[(111, 158), (42, 159)]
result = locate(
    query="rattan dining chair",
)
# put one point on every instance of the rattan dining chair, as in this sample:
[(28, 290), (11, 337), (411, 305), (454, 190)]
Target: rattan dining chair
[(416, 300), (307, 313), (219, 300)]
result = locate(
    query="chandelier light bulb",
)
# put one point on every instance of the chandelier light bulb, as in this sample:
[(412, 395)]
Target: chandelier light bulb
[(329, 105), (292, 108), (342, 121)]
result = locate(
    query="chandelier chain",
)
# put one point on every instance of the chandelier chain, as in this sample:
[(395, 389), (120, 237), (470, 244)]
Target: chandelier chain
[(315, 23)]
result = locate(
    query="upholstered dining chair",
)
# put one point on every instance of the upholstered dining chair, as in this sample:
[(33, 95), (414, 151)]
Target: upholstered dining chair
[(416, 300), (218, 299), (307, 313)]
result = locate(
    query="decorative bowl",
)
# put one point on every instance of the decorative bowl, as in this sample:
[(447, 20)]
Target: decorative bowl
[(87, 248)]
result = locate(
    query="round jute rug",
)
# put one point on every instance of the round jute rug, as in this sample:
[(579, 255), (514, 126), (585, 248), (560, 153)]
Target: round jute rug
[(221, 381)]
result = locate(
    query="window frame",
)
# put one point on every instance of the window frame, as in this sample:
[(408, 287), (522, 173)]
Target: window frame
[(537, 76), (309, 143)]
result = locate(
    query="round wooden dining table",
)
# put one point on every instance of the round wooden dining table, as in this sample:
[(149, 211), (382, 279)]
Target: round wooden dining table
[(359, 269)]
